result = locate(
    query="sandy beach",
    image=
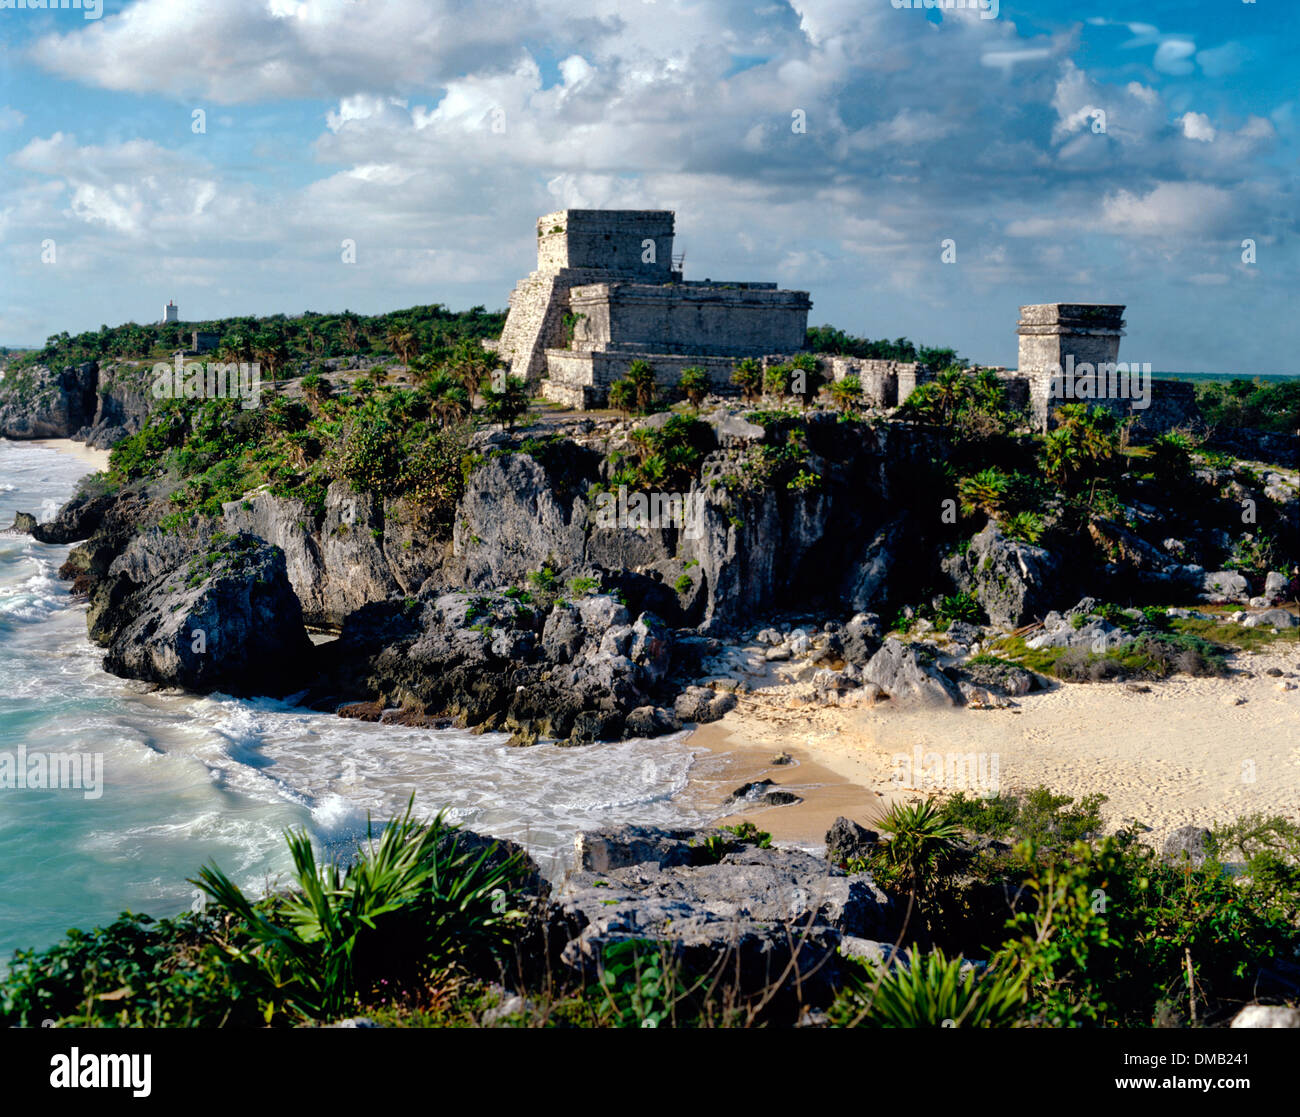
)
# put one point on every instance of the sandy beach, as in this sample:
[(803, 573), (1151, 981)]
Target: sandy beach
[(1188, 750), (79, 450)]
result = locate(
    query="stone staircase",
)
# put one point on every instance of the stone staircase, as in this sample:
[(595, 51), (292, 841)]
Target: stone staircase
[(536, 319)]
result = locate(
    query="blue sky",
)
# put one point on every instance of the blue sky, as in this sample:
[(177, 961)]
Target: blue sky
[(433, 133)]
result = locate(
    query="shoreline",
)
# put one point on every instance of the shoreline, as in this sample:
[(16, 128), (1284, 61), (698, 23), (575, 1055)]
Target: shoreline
[(79, 450), (1189, 751)]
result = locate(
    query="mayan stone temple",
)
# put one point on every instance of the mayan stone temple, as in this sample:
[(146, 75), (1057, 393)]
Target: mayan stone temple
[(1056, 337), (606, 292)]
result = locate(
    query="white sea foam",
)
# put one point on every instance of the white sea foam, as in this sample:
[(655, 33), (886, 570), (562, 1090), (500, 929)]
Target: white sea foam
[(188, 780)]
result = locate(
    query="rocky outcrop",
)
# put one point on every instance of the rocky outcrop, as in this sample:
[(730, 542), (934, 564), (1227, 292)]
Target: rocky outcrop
[(122, 402), (748, 547), (897, 670), (96, 404), (503, 661), (511, 523), (38, 402), (361, 550), (772, 917), (78, 519), (24, 524), (219, 617), (289, 525), (847, 841), (1015, 582)]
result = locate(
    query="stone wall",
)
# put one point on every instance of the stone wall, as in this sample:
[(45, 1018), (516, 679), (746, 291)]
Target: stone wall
[(632, 242), (581, 379), (884, 383), (704, 320)]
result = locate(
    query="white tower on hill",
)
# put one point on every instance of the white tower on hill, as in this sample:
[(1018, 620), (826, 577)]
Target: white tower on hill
[(171, 312)]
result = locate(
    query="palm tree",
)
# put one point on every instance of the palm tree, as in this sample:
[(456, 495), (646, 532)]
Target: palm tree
[(985, 491), (812, 380), (641, 376), (622, 397), (506, 405), (694, 384), (776, 380), (271, 351), (949, 390), (748, 377), (352, 331), (401, 339), (847, 393)]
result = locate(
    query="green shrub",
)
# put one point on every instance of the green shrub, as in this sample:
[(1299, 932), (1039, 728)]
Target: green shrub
[(409, 900)]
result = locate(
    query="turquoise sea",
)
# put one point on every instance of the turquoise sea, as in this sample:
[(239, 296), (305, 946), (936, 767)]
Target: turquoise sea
[(188, 779)]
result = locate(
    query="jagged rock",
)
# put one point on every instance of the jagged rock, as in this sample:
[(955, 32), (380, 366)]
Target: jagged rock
[(1001, 678), (979, 698), (224, 618), (563, 634), (768, 915), (699, 704), (650, 648), (1275, 585), (24, 524), (601, 851), (353, 557), (1225, 585), (650, 721), (781, 799), (289, 525), (1013, 581), (868, 582), (732, 430), (1126, 546), (1094, 634), (959, 632), (896, 669), (1267, 1016), (846, 841), (1191, 842), (882, 955), (38, 402), (860, 639), (76, 520), (511, 521)]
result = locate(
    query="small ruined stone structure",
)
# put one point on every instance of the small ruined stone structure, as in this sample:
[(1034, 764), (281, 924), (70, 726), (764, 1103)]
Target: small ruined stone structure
[(884, 383), (1055, 337), (203, 342), (606, 293), (1069, 352)]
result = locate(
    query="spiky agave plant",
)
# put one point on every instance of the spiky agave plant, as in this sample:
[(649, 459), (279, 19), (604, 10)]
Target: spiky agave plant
[(932, 991), (410, 900), (923, 845)]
